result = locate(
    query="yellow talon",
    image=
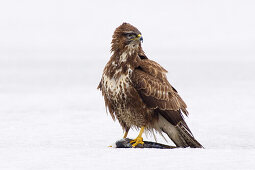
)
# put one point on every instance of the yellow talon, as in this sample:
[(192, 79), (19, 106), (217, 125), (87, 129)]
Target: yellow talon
[(139, 139), (136, 141)]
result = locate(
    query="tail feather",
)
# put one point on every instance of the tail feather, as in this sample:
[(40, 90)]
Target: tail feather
[(187, 137), (179, 134)]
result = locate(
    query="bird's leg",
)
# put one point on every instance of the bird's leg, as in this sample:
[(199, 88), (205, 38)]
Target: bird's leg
[(125, 135), (138, 139)]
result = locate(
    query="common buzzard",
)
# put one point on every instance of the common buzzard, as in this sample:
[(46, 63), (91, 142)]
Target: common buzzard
[(137, 93)]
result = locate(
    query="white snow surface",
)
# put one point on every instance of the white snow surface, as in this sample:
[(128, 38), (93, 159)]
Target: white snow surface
[(52, 55), (52, 117)]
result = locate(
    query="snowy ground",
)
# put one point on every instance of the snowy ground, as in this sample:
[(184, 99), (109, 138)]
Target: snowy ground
[(52, 54), (52, 116)]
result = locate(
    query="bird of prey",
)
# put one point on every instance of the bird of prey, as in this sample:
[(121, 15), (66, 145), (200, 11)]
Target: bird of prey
[(136, 91)]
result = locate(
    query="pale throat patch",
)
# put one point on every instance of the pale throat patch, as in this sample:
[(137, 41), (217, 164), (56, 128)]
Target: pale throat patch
[(123, 57), (131, 48)]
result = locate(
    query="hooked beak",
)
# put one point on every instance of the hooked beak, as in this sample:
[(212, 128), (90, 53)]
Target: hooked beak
[(139, 36)]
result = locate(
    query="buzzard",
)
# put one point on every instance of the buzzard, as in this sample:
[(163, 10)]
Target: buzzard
[(137, 93)]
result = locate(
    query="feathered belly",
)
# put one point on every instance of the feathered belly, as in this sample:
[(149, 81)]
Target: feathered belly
[(127, 105)]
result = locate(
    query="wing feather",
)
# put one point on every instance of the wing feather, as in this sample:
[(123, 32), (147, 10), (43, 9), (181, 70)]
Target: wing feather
[(149, 79)]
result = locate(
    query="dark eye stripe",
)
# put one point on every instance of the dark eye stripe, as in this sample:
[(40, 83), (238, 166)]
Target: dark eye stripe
[(129, 33)]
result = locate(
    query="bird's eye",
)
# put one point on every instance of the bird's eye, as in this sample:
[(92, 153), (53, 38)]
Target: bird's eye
[(130, 35)]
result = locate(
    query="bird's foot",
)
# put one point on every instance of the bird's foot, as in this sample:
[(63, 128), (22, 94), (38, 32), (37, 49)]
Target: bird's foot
[(136, 141)]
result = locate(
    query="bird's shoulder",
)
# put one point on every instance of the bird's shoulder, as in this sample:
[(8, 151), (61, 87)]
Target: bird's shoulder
[(150, 81), (151, 68)]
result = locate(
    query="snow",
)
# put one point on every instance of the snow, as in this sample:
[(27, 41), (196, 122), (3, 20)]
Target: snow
[(52, 116)]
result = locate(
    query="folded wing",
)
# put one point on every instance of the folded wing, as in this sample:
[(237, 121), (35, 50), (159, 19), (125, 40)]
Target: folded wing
[(150, 80)]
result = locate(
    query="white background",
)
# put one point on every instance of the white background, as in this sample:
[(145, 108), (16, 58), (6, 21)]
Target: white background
[(52, 54)]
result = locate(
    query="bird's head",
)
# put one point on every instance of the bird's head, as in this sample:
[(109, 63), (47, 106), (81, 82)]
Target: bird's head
[(126, 34)]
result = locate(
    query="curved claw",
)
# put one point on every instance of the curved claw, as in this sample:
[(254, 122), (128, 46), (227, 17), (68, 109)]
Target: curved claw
[(136, 141)]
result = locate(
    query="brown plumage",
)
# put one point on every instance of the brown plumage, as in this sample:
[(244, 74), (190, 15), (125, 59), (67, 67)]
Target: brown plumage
[(137, 93)]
